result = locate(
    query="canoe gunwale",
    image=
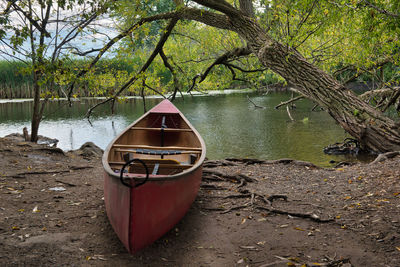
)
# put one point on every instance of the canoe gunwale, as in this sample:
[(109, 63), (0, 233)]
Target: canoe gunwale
[(155, 178)]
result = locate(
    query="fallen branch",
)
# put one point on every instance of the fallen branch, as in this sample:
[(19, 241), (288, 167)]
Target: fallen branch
[(288, 112), (289, 101), (311, 216), (22, 174), (255, 105)]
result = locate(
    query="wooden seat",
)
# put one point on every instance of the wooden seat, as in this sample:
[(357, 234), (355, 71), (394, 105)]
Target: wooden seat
[(153, 165), (198, 149), (164, 129)]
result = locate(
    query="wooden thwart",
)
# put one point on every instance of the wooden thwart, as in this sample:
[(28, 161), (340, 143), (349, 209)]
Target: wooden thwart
[(191, 149), (164, 129), (150, 163)]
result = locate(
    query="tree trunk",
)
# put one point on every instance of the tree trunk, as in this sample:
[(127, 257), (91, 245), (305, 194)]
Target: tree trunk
[(36, 113), (373, 129)]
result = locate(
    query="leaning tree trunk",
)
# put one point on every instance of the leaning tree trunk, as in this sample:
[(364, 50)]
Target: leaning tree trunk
[(373, 129)]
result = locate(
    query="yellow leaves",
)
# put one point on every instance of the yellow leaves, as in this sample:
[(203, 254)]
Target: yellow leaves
[(35, 209), (299, 229)]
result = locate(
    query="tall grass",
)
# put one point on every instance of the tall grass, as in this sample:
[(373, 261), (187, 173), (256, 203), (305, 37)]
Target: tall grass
[(13, 82)]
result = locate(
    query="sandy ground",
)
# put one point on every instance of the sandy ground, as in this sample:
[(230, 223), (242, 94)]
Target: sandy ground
[(271, 213)]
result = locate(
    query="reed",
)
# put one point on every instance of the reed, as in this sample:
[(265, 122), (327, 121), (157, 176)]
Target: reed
[(14, 83)]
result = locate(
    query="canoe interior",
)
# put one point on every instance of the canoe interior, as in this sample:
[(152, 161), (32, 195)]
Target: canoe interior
[(153, 135), (173, 152)]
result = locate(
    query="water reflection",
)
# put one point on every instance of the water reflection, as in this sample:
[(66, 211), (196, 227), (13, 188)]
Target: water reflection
[(229, 124)]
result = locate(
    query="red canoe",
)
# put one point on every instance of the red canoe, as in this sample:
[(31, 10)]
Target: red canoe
[(160, 157)]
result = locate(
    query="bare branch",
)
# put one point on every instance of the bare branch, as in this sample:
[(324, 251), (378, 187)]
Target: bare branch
[(220, 60), (115, 40), (380, 10), (173, 72), (289, 101), (156, 51), (40, 28)]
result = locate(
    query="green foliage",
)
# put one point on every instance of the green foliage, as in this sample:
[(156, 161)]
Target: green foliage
[(344, 37), (340, 35)]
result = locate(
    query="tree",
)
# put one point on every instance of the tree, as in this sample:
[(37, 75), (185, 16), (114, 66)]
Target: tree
[(375, 130), (41, 33)]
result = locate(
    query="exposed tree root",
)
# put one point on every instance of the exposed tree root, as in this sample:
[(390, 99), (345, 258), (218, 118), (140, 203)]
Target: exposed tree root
[(218, 163), (238, 178), (283, 161), (268, 201), (385, 156)]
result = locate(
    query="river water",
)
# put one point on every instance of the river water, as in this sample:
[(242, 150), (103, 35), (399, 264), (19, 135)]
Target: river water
[(230, 125)]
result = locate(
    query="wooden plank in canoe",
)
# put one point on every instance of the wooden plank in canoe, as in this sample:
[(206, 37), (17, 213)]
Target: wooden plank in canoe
[(165, 129), (158, 147)]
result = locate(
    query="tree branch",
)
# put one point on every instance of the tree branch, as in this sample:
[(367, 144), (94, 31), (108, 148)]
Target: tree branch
[(289, 101), (156, 51), (380, 10), (173, 72), (235, 53), (115, 40)]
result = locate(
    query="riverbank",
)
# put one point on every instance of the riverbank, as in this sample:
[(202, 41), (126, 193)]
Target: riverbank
[(247, 213)]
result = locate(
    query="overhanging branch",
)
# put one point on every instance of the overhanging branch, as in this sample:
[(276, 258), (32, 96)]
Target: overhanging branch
[(235, 53), (156, 51)]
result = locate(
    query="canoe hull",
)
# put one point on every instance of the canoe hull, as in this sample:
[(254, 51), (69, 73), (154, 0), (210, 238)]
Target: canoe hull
[(142, 209), (142, 215)]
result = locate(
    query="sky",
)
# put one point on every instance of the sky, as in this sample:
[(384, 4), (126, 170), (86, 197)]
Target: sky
[(61, 23)]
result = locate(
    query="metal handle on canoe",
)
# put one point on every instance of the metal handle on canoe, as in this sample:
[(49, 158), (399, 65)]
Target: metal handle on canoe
[(121, 176)]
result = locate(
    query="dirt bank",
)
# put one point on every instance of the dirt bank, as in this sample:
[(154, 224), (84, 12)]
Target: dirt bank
[(257, 214)]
